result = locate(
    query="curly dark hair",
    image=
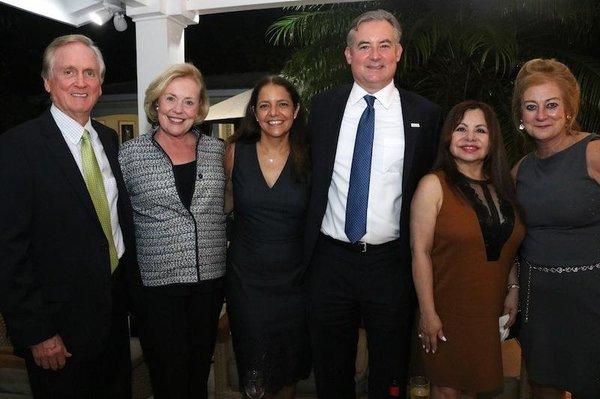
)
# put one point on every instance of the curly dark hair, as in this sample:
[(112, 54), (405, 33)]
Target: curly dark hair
[(249, 130)]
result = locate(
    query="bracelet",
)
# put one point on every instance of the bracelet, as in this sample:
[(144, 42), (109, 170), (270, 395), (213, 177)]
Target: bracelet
[(513, 285)]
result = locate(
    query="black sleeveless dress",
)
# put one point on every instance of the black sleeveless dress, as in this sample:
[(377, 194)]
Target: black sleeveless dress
[(560, 270), (266, 301)]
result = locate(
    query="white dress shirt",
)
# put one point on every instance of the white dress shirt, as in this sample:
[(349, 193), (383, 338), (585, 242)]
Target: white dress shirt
[(72, 132), (385, 188)]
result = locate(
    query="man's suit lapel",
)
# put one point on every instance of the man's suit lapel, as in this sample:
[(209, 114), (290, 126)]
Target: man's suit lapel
[(410, 135), (63, 157), (338, 107)]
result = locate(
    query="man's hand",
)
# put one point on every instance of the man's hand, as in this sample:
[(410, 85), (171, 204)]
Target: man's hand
[(51, 353)]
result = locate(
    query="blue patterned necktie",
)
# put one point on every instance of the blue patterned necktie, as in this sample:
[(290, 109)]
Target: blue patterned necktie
[(360, 174)]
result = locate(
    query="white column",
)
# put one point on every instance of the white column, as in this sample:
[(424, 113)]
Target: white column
[(159, 31)]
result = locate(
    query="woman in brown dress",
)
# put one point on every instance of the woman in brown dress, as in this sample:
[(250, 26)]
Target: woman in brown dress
[(465, 231)]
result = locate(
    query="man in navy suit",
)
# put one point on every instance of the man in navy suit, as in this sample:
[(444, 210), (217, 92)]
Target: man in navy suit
[(362, 274), (66, 236)]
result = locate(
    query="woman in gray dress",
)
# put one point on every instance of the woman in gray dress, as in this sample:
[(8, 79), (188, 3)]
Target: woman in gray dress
[(558, 187)]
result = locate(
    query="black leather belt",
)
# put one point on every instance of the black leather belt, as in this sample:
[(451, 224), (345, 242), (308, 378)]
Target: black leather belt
[(360, 246)]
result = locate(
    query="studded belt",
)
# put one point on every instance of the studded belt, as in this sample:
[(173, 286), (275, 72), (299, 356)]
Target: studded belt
[(548, 269)]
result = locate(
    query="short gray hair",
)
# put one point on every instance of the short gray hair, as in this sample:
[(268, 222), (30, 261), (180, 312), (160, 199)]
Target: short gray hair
[(48, 60), (375, 15)]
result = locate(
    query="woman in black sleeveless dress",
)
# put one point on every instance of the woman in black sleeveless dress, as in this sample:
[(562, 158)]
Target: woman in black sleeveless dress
[(558, 187), (267, 164)]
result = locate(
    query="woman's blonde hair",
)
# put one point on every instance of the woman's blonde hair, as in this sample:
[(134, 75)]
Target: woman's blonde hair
[(539, 71), (160, 83)]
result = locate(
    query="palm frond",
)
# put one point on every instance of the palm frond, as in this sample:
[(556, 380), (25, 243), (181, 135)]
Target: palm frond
[(294, 29), (587, 72), (314, 24), (423, 38), (455, 50), (315, 69), (491, 44)]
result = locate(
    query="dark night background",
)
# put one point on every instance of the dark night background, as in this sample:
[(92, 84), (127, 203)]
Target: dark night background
[(219, 44), (230, 43)]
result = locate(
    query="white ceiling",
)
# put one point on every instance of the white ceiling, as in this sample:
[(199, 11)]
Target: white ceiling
[(213, 6), (71, 12), (75, 12)]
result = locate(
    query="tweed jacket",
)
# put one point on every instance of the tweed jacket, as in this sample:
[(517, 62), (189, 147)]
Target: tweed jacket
[(174, 244)]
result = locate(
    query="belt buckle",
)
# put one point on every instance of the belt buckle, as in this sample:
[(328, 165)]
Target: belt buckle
[(364, 247)]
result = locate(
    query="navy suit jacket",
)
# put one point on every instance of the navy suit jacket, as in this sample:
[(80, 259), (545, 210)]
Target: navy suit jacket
[(55, 273), (422, 125)]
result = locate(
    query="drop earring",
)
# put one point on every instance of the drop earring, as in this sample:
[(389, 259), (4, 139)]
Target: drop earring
[(521, 126)]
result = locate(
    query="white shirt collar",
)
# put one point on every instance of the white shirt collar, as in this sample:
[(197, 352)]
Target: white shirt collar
[(385, 96), (69, 127)]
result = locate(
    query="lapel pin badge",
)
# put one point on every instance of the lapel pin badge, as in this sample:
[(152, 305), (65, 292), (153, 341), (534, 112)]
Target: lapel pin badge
[(414, 124)]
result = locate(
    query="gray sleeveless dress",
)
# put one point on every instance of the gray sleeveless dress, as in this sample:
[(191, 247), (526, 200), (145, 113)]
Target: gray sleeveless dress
[(560, 270)]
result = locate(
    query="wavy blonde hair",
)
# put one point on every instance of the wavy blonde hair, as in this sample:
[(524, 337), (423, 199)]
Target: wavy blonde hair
[(157, 87)]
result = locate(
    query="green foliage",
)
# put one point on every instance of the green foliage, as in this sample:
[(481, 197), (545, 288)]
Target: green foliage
[(317, 33), (455, 50)]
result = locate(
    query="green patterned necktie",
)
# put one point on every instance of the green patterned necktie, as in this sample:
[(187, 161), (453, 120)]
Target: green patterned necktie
[(95, 186)]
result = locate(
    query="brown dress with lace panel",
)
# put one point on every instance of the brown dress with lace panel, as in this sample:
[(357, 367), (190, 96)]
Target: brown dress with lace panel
[(475, 241)]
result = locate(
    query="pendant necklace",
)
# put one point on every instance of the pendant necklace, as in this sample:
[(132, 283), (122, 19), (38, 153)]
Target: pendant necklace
[(271, 160)]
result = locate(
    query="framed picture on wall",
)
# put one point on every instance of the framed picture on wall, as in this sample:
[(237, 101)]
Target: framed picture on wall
[(126, 131)]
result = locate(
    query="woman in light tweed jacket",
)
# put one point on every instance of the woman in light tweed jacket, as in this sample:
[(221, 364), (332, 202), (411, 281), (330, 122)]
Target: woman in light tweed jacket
[(176, 181)]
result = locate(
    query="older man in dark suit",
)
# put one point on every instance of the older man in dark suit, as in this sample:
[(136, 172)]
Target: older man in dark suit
[(66, 236), (370, 144)]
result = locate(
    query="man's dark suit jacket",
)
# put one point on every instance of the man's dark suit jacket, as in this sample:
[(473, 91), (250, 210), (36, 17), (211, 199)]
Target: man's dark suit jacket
[(55, 273), (421, 142)]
